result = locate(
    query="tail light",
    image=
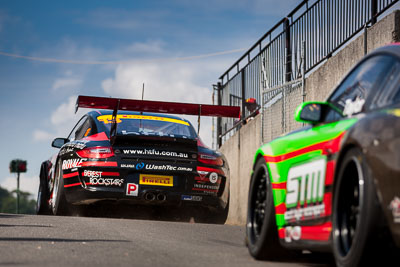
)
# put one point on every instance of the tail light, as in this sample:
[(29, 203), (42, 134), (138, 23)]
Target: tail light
[(210, 160), (99, 152)]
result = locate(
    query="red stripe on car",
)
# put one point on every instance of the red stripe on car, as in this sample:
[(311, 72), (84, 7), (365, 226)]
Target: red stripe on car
[(318, 232), (69, 175), (328, 203), (99, 163), (330, 169), (70, 185), (279, 185), (281, 233), (327, 147), (97, 137), (280, 209)]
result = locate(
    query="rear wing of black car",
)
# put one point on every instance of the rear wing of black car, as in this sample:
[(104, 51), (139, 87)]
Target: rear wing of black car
[(156, 106), (116, 104)]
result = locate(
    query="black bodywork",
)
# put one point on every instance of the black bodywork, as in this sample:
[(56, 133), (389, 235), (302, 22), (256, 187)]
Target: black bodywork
[(136, 168), (378, 135)]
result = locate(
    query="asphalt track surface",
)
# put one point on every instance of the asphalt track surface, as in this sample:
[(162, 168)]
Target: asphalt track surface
[(30, 240)]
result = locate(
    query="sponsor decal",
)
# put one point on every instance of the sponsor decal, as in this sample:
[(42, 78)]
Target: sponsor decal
[(66, 150), (213, 177), (292, 233), (71, 163), (132, 189), (150, 179), (155, 152), (92, 174), (305, 187), (78, 144), (353, 106), (128, 166), (206, 186), (106, 181), (139, 166), (167, 167), (106, 119), (191, 198), (395, 208)]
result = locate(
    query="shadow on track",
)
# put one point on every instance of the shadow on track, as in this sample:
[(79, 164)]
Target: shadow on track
[(157, 213)]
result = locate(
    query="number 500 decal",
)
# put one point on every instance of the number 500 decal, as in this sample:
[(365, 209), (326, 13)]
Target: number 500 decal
[(305, 184)]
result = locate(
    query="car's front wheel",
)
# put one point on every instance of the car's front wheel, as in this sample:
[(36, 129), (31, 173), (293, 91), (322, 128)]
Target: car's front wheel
[(261, 230), (355, 211)]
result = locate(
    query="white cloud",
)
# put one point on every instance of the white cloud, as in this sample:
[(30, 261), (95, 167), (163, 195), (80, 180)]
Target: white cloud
[(176, 82), (40, 135), (62, 120), (27, 184), (66, 84), (65, 116), (163, 81)]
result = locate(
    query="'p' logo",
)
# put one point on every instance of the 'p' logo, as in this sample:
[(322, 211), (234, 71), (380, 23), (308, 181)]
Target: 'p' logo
[(132, 190)]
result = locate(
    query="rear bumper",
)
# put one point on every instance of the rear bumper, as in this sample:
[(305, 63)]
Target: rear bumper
[(82, 196), (90, 185)]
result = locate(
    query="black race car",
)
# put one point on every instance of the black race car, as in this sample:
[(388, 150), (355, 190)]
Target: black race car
[(134, 157), (335, 184)]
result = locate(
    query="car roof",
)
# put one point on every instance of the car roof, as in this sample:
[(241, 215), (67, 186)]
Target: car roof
[(96, 113)]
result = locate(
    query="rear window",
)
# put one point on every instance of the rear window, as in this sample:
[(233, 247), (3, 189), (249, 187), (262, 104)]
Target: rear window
[(131, 124)]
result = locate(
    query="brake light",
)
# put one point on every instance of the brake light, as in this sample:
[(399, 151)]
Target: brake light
[(210, 159), (98, 152)]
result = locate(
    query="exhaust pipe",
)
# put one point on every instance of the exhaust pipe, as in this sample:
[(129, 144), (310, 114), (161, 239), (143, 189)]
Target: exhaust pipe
[(161, 197), (149, 196)]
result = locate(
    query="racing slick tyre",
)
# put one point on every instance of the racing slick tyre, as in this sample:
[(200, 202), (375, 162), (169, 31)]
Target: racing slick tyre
[(261, 231), (59, 202), (42, 205), (355, 211)]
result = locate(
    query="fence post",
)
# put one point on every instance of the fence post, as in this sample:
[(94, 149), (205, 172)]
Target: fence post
[(219, 119), (288, 49), (243, 95), (374, 11)]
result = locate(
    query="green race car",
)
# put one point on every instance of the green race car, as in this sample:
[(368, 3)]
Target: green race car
[(334, 185)]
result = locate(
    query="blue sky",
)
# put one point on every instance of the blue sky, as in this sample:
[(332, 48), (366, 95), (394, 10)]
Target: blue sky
[(37, 98)]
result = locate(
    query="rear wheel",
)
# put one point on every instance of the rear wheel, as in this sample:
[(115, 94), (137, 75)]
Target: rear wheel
[(355, 211), (261, 230), (59, 202)]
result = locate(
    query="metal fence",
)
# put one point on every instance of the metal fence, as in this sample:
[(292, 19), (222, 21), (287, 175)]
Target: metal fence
[(278, 107), (320, 26)]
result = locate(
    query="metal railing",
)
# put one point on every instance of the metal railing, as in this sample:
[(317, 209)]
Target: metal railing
[(323, 26)]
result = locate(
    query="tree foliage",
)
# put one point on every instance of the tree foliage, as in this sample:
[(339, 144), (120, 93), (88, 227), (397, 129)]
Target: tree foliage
[(8, 202)]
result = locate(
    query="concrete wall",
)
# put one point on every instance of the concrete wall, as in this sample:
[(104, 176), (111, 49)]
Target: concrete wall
[(241, 147), (239, 151)]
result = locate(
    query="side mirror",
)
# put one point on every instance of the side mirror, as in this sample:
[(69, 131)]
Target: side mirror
[(310, 112), (59, 142)]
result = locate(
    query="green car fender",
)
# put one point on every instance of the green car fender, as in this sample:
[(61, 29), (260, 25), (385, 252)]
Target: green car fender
[(302, 148)]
